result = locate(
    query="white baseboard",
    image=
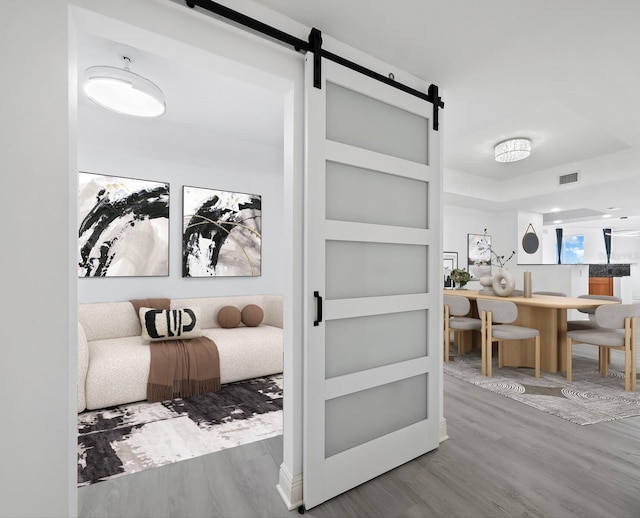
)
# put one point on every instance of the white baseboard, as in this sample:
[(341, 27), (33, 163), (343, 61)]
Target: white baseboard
[(290, 488), (443, 429)]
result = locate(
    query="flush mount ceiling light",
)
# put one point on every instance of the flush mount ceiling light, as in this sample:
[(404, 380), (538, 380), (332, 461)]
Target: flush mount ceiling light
[(512, 150), (122, 91)]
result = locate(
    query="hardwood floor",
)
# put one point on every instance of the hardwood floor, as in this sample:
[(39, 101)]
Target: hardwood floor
[(503, 459)]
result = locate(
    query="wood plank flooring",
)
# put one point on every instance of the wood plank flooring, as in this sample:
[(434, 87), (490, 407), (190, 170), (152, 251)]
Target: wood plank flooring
[(503, 459)]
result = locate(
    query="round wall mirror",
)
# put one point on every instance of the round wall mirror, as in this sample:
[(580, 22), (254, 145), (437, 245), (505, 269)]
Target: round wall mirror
[(530, 241)]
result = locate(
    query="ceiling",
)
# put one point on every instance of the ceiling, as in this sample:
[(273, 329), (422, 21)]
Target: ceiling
[(564, 74), (210, 117)]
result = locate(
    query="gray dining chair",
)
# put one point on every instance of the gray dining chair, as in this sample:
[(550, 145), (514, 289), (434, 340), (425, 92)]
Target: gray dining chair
[(503, 313), (554, 293), (455, 321), (576, 325), (616, 329)]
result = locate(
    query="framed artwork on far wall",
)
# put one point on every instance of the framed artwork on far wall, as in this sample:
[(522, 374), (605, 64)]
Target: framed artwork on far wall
[(221, 233), (123, 226), (479, 255), (449, 263)]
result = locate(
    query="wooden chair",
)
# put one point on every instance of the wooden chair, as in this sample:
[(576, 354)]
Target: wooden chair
[(455, 309), (616, 329), (576, 325), (503, 312)]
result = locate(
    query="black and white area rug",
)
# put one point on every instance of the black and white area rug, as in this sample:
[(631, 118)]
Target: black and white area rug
[(131, 438), (588, 399)]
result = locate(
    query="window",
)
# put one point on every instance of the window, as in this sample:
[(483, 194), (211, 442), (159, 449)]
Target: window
[(573, 249)]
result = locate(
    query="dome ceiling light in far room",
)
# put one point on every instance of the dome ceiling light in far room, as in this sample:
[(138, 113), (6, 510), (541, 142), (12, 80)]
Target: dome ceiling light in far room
[(122, 91), (512, 150)]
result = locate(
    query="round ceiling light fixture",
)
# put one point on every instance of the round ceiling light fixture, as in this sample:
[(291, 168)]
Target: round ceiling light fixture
[(122, 91), (512, 150)]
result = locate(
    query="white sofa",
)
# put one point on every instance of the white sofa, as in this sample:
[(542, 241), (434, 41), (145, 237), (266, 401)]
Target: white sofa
[(113, 360)]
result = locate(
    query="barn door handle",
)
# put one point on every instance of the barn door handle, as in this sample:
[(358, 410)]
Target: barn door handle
[(318, 319)]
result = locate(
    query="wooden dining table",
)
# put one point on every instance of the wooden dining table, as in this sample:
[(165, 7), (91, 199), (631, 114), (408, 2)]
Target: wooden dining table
[(546, 313)]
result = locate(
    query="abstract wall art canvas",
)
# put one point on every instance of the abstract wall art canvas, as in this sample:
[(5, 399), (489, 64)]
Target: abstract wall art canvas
[(222, 233), (123, 226)]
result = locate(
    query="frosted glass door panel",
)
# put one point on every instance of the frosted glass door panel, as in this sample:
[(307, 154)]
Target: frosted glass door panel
[(372, 390), (356, 344), (365, 196), (360, 269), (363, 416), (367, 123)]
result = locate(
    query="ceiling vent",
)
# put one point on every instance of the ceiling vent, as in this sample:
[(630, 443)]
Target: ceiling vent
[(564, 179)]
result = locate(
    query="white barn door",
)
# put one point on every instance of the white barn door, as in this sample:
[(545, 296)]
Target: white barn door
[(373, 281)]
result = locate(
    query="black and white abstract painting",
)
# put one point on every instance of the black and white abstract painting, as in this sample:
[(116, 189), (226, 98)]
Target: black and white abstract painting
[(123, 226), (222, 233)]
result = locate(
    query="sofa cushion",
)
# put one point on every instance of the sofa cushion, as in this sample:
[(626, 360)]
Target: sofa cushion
[(118, 372), (229, 317), (252, 315), (170, 324), (272, 306), (104, 320), (248, 352)]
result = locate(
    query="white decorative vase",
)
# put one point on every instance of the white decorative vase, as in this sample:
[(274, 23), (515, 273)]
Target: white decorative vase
[(486, 281), (503, 283)]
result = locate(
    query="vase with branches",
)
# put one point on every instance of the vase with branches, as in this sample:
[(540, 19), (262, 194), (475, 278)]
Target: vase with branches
[(502, 283), (484, 245)]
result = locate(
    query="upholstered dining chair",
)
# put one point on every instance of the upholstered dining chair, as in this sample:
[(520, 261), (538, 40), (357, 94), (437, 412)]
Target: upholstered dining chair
[(554, 293), (616, 329), (575, 325), (503, 313), (455, 320)]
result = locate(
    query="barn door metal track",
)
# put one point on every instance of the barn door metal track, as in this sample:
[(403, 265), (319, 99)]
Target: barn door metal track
[(314, 44)]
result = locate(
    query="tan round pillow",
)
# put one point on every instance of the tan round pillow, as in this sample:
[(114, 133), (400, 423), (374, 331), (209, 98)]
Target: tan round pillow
[(228, 317), (252, 315)]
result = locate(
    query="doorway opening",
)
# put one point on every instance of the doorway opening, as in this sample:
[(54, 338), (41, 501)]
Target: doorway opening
[(219, 132)]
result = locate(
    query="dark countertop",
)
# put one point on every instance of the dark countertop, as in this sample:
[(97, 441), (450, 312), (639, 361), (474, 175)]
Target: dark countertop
[(609, 270)]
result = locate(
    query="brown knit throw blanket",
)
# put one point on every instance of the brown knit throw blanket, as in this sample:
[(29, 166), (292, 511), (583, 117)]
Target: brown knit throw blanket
[(180, 368)]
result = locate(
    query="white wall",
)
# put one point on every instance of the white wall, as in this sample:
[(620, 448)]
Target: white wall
[(549, 246), (102, 156), (506, 230), (594, 251), (457, 222), (530, 222), (37, 448), (572, 280), (39, 277), (625, 250)]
